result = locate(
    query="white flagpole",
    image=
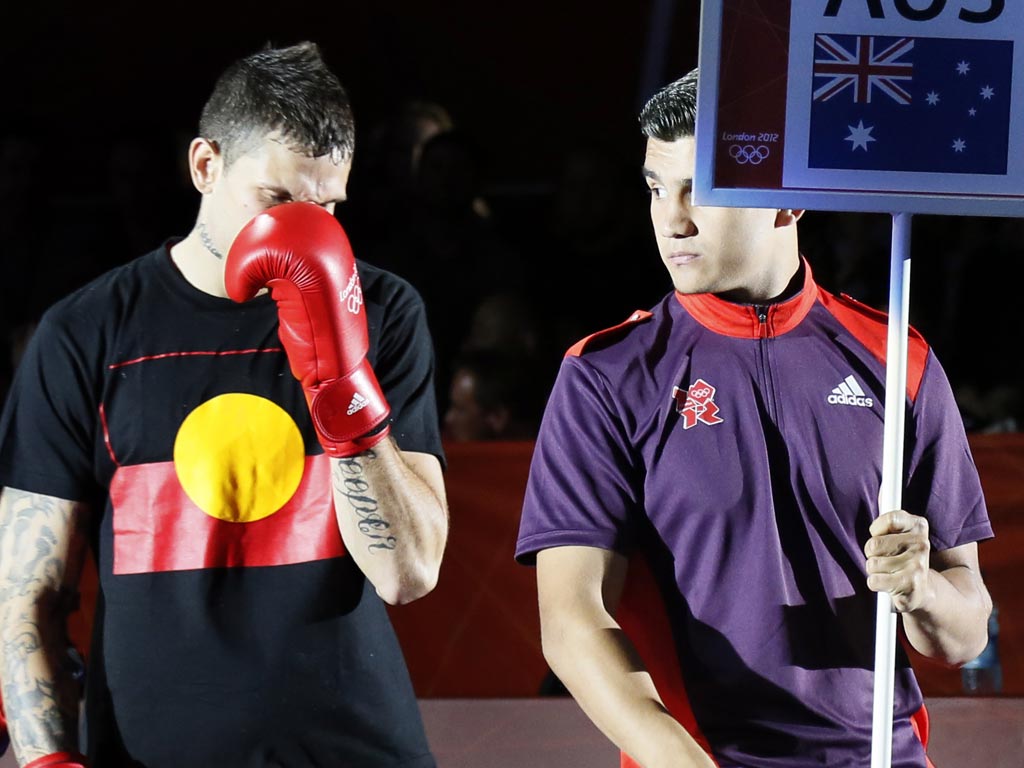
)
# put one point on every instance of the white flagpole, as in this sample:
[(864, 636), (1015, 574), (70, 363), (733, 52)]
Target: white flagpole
[(890, 495)]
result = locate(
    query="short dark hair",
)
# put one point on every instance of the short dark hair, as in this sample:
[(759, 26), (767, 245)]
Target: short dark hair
[(671, 113), (290, 90)]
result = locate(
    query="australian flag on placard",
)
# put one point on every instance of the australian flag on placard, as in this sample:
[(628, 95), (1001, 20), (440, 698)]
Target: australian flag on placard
[(911, 104)]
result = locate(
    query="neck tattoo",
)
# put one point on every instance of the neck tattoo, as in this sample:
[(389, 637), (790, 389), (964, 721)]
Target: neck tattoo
[(207, 241)]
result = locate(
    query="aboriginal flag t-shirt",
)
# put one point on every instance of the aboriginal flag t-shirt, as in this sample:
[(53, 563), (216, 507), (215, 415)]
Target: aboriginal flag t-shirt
[(232, 629)]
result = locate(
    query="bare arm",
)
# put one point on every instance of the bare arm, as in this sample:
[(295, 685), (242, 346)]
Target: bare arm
[(42, 549), (579, 589), (941, 595), (393, 517)]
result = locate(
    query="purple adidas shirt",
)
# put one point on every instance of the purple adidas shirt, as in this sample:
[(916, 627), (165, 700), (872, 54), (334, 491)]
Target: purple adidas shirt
[(737, 452)]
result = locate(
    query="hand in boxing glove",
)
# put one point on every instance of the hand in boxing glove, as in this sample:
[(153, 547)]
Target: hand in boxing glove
[(59, 760), (302, 254)]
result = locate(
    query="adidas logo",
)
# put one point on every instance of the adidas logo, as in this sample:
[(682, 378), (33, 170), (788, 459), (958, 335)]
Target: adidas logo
[(358, 403), (850, 393)]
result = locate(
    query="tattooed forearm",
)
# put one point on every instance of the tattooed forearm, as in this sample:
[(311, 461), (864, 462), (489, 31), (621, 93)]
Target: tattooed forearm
[(392, 519), (350, 481), (42, 713), (41, 548)]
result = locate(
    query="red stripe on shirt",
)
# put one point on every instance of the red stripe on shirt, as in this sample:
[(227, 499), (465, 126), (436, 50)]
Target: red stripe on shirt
[(214, 353), (608, 334), (870, 327), (158, 528), (106, 435), (919, 721)]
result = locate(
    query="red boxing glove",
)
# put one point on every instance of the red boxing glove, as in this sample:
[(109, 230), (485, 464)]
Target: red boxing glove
[(302, 254), (59, 760)]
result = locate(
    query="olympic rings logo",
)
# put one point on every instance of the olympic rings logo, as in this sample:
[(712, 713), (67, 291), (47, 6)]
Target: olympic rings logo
[(352, 296), (700, 394), (748, 153)]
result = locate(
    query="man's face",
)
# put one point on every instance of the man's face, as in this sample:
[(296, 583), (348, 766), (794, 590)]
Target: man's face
[(705, 249), (270, 174)]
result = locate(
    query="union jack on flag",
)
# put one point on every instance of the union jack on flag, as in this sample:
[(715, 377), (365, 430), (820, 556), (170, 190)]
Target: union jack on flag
[(871, 63)]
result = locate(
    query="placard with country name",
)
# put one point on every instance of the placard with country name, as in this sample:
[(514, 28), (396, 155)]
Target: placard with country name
[(912, 106)]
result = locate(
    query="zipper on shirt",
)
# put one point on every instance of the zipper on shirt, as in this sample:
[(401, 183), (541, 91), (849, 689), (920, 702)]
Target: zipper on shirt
[(762, 319), (766, 372)]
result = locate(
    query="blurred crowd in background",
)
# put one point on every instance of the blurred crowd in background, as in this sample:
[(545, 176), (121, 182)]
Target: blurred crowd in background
[(512, 274)]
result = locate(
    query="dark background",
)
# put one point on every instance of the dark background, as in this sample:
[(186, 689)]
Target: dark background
[(528, 76), (108, 96)]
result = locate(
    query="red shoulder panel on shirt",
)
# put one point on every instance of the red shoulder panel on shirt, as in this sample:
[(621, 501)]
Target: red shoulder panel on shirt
[(870, 327), (608, 335)]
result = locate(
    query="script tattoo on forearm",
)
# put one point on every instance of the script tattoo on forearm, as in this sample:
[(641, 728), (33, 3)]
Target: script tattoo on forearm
[(350, 481), (39, 693)]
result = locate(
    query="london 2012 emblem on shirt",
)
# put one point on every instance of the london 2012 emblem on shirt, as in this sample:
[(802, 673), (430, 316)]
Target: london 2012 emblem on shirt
[(697, 404)]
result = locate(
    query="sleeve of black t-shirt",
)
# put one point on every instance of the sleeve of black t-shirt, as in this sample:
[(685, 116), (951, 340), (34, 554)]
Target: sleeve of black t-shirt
[(50, 418), (405, 370)]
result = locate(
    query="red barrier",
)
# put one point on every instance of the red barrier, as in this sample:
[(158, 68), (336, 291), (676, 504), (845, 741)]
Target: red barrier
[(478, 633), (1000, 461)]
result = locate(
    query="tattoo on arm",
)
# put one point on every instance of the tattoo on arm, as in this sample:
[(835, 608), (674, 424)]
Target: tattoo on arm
[(40, 694), (350, 481)]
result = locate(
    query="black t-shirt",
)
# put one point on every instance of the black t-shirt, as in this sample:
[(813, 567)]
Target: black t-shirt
[(231, 628)]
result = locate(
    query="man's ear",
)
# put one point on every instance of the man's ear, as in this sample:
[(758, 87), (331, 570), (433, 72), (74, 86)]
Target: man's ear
[(787, 217), (205, 164)]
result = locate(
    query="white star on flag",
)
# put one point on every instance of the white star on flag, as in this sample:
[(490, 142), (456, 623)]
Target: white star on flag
[(959, 145), (972, 111), (932, 98), (987, 92), (860, 136), (963, 67)]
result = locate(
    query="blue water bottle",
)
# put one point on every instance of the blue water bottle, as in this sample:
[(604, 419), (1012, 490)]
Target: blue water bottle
[(983, 676)]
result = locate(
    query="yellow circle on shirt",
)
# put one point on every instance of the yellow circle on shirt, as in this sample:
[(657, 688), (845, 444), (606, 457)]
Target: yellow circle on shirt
[(239, 457)]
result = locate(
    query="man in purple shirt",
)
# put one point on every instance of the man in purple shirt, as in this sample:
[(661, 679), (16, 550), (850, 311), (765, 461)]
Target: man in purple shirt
[(702, 502)]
